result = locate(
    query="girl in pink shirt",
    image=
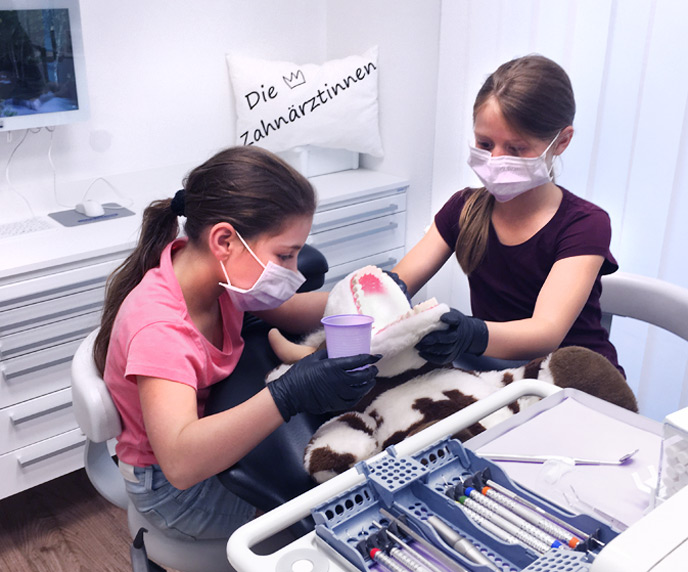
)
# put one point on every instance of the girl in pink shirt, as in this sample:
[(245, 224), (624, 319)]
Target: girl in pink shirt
[(171, 328)]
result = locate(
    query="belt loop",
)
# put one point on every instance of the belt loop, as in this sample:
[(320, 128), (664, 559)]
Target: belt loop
[(128, 472), (148, 478)]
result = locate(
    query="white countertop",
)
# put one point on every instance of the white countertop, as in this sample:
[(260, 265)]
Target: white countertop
[(45, 251)]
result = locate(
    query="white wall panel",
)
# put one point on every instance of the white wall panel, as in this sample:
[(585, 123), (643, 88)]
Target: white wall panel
[(655, 154), (584, 59), (616, 125), (517, 21)]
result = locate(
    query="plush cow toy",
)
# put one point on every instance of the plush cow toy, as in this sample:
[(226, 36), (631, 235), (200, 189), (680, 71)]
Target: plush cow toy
[(410, 393)]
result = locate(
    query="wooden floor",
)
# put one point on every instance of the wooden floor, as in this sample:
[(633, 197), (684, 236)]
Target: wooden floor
[(66, 526), (63, 526)]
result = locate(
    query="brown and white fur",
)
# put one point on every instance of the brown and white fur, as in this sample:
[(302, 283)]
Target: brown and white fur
[(410, 393)]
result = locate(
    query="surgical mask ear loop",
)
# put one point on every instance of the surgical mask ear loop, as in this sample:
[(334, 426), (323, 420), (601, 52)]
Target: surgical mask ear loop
[(551, 167), (554, 173), (249, 249), (224, 270)]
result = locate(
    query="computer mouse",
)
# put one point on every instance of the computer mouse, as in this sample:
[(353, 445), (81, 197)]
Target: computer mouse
[(90, 208)]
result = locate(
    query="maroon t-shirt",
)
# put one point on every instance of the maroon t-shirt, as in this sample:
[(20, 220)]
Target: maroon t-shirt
[(506, 284)]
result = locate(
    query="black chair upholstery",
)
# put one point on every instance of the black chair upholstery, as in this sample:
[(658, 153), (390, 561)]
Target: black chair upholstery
[(313, 265), (273, 472)]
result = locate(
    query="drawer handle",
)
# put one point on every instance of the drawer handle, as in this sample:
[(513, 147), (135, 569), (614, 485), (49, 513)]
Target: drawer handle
[(29, 413), (20, 366), (385, 228), (389, 263), (367, 214), (19, 372), (26, 460)]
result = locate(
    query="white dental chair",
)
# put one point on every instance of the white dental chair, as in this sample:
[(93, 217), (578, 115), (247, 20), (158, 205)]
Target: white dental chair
[(99, 420), (647, 299)]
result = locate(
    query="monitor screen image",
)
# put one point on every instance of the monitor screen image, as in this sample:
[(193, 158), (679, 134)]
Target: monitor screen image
[(41, 67)]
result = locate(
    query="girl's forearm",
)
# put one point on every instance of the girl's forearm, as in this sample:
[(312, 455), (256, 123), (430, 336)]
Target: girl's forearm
[(521, 339), (209, 445), (300, 314)]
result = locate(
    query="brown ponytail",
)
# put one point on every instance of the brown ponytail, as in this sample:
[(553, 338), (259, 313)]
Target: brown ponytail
[(252, 189), (159, 227), (474, 227)]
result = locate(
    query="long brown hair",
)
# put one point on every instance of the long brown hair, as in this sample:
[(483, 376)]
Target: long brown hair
[(248, 187), (536, 99)]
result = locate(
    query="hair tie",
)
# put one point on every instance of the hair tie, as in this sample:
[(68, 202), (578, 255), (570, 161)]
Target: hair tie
[(177, 204)]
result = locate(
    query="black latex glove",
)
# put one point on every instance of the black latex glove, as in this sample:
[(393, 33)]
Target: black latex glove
[(464, 335), (399, 282), (317, 384)]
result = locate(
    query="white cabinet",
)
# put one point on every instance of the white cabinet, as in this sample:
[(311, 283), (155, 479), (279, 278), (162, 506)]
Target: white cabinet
[(361, 220), (43, 318), (48, 305)]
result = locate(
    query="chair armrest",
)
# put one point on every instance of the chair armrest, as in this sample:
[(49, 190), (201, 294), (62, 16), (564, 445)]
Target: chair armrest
[(648, 299)]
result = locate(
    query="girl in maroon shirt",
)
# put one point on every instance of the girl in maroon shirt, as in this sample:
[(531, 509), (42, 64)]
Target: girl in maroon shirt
[(533, 252)]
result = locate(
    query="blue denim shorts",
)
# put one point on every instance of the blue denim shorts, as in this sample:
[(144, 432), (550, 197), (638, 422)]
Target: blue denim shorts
[(205, 510)]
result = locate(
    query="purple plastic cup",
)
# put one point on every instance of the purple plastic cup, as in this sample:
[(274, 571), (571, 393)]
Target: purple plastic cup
[(347, 334)]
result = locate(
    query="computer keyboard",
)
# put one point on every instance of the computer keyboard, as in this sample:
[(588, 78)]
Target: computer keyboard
[(29, 225)]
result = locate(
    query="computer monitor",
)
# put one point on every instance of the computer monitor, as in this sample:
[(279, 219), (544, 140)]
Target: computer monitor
[(42, 66)]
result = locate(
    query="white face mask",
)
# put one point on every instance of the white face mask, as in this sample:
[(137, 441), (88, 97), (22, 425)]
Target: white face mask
[(275, 285), (507, 176)]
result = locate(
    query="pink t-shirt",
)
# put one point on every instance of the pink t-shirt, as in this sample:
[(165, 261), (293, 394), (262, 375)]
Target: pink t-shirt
[(154, 336)]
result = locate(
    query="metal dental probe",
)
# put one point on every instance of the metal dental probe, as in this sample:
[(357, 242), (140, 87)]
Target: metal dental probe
[(411, 550), (435, 552)]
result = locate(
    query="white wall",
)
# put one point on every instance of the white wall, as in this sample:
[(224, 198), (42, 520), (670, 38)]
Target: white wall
[(158, 84), (629, 153), (160, 93), (407, 34)]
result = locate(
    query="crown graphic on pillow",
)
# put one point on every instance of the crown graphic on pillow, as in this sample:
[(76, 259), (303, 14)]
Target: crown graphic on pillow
[(295, 79)]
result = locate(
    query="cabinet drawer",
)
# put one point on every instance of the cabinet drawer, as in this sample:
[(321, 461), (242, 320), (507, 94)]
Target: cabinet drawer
[(384, 260), (37, 373), (35, 464), (362, 239), (51, 286), (34, 340), (344, 216), (32, 315), (37, 419)]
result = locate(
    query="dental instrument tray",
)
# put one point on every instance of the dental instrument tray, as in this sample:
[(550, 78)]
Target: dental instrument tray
[(446, 509)]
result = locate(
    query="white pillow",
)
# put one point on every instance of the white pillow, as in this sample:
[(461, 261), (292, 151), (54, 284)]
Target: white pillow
[(281, 105)]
